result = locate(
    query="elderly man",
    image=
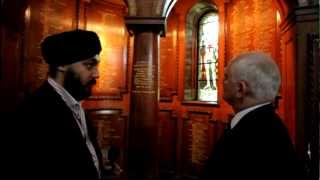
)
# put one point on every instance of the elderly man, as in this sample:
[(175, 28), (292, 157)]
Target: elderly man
[(257, 146)]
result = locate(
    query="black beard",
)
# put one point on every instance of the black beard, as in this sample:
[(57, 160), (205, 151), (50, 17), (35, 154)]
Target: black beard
[(73, 85)]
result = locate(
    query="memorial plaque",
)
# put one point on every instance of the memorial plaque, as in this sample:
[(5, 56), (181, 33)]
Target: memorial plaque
[(57, 16), (252, 26), (45, 18), (195, 142), (143, 78), (198, 145), (110, 27), (111, 128)]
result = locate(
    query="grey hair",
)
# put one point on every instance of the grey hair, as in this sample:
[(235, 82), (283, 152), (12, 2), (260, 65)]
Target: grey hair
[(261, 73)]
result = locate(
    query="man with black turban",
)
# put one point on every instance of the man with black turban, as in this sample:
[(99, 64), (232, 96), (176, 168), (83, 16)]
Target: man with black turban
[(59, 141)]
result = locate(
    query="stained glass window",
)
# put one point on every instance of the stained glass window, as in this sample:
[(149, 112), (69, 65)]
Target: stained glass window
[(208, 58)]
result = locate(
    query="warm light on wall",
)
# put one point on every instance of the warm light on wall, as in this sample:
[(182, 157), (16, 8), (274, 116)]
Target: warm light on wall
[(110, 28), (27, 14), (99, 29), (278, 17)]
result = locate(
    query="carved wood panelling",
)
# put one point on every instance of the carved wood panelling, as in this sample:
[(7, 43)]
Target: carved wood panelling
[(288, 84), (109, 23), (199, 134), (111, 129), (251, 26), (168, 142), (169, 61), (43, 18)]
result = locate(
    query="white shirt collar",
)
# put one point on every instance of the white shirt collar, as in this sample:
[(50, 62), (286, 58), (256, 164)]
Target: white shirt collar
[(64, 94), (235, 120)]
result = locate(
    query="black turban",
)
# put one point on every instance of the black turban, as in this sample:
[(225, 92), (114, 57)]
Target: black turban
[(70, 47)]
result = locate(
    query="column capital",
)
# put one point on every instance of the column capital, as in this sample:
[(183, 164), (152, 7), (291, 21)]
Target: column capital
[(136, 24)]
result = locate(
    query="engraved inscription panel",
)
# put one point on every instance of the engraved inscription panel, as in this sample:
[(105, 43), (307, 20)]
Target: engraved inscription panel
[(143, 78), (198, 142), (111, 128), (195, 142), (47, 17), (252, 26), (110, 27), (199, 136)]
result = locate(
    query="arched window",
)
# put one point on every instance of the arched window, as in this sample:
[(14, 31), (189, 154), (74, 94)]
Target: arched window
[(207, 58), (201, 57)]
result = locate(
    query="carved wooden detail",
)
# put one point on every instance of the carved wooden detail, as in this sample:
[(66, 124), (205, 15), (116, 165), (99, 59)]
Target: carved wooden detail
[(111, 129)]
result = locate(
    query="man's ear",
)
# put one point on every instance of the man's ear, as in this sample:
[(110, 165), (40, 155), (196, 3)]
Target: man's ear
[(62, 68), (242, 88)]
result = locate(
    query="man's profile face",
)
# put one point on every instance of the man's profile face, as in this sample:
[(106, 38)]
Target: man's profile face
[(81, 77), (229, 86)]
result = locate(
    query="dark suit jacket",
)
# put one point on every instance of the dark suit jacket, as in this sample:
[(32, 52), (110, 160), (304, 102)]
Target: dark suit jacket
[(258, 147), (50, 142)]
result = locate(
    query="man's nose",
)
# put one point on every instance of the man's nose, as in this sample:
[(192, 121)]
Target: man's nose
[(95, 73)]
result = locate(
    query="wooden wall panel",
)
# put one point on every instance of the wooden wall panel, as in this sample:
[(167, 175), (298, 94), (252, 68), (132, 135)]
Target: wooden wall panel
[(44, 18), (108, 21), (168, 142), (252, 26), (289, 84), (199, 135), (10, 64), (288, 67), (111, 129), (169, 60), (109, 104), (12, 17)]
